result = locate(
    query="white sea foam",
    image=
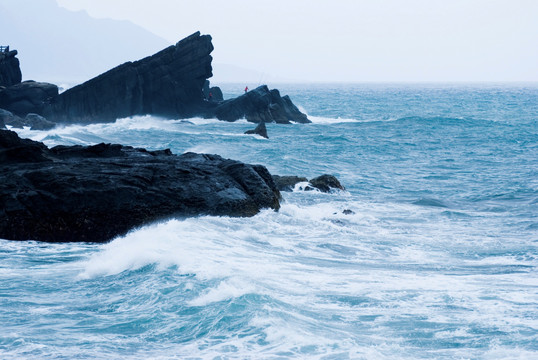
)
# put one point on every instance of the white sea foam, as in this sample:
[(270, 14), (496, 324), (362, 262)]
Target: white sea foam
[(325, 120)]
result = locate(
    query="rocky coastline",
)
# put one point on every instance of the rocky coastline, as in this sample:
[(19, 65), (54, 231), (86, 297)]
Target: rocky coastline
[(172, 83), (96, 193)]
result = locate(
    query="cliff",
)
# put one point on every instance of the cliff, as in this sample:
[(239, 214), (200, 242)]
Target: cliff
[(168, 83)]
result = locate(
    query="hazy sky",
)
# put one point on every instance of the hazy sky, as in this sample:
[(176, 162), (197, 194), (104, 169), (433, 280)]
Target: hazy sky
[(351, 40)]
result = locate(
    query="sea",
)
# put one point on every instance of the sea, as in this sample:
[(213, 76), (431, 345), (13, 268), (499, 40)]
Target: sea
[(436, 258)]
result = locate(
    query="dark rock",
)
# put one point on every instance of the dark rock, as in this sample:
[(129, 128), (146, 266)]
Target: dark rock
[(14, 150), (287, 183), (95, 193), (4, 115), (205, 89), (260, 105), (348, 212), (325, 183), (168, 83), (216, 94), (27, 97), (261, 130), (7, 118), (38, 122), (10, 72)]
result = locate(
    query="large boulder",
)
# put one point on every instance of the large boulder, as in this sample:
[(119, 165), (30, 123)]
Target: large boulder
[(325, 183), (38, 122), (168, 83), (95, 193), (8, 118), (10, 71), (27, 97), (260, 105)]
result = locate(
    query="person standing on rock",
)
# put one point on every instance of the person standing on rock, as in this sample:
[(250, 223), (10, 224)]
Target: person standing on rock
[(246, 89), (210, 97)]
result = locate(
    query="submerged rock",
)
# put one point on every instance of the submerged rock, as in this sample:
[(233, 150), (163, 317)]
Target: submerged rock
[(95, 193), (325, 183), (261, 130), (287, 183), (38, 122)]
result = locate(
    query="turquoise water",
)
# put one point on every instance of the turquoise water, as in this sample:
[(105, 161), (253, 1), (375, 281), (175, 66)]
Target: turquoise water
[(438, 260)]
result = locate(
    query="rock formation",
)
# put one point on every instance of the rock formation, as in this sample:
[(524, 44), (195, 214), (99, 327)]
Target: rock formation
[(324, 183), (95, 193), (260, 105), (212, 93), (27, 97), (261, 130), (168, 83), (171, 83), (10, 72)]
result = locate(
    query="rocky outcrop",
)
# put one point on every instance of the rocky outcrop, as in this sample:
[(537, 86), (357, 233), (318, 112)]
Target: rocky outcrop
[(261, 130), (38, 122), (168, 83), (212, 93), (33, 121), (95, 193), (10, 71), (171, 83), (27, 97), (287, 183), (324, 183), (260, 105)]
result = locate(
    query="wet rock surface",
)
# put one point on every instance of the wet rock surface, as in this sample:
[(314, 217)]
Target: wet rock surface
[(95, 193), (261, 130)]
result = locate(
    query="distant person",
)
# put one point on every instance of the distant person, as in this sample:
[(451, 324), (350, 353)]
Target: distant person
[(246, 89), (210, 97)]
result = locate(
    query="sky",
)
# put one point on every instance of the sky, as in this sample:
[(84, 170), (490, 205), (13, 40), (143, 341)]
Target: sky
[(350, 40)]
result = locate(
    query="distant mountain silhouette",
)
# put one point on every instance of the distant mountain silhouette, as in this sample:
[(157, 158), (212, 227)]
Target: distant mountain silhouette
[(58, 45)]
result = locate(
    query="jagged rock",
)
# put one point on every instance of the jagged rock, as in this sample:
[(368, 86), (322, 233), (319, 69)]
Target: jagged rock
[(205, 89), (260, 105), (216, 93), (27, 97), (348, 212), (168, 83), (38, 122), (287, 183), (261, 130), (325, 183), (10, 72), (95, 193), (7, 118)]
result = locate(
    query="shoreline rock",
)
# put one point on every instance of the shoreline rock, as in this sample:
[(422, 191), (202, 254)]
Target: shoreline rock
[(171, 83), (324, 183), (96, 193)]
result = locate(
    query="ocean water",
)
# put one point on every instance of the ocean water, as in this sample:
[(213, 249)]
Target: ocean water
[(437, 261)]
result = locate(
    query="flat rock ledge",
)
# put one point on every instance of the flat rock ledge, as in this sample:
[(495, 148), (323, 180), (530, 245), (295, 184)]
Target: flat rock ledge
[(96, 193)]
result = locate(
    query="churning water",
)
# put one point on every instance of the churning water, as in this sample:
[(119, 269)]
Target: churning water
[(438, 258)]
